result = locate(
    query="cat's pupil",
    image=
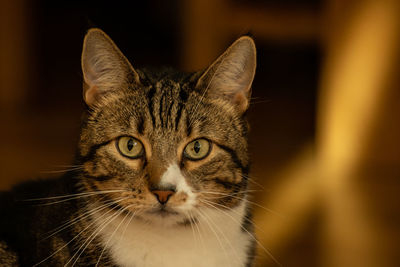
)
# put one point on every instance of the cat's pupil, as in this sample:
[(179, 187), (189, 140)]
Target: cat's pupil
[(130, 144), (196, 146)]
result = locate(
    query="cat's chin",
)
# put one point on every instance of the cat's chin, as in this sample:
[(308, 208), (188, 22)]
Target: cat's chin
[(162, 212), (163, 216)]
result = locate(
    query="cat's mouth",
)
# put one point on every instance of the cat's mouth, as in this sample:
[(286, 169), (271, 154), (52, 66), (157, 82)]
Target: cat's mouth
[(163, 211)]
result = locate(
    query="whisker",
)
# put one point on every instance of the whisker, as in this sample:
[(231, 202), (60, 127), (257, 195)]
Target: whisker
[(73, 195), (246, 192), (187, 215), (198, 230), (232, 210), (234, 193), (98, 231), (223, 235), (223, 195), (250, 234), (64, 170), (260, 102), (76, 236), (93, 236), (83, 216), (67, 165), (116, 229), (247, 177), (129, 222), (215, 233), (65, 200)]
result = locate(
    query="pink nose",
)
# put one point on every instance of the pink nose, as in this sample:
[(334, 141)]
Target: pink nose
[(163, 195)]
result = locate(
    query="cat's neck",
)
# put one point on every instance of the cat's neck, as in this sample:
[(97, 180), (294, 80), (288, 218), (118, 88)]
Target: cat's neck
[(216, 239)]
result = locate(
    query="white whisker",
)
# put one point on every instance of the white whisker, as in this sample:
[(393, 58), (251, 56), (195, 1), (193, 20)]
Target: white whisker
[(64, 170), (223, 234), (94, 235), (116, 229), (129, 222), (224, 195), (76, 236), (187, 215), (83, 216), (250, 234), (253, 181), (232, 210), (215, 233), (198, 230), (74, 195)]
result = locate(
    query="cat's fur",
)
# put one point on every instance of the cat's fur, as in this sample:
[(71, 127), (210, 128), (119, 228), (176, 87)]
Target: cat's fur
[(109, 205)]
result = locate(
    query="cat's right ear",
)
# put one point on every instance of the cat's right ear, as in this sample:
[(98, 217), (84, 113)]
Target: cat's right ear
[(104, 66)]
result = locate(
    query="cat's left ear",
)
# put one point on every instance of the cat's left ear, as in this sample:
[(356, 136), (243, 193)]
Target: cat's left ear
[(231, 75), (104, 66)]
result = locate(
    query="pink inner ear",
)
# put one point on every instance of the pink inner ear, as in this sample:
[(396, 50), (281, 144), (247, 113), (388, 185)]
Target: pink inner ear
[(91, 94)]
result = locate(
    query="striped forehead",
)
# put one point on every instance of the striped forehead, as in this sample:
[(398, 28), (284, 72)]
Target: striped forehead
[(165, 103)]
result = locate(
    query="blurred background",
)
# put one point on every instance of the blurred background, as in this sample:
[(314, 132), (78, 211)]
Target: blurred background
[(325, 111)]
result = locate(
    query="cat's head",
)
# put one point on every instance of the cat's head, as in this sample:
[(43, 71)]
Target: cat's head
[(165, 146)]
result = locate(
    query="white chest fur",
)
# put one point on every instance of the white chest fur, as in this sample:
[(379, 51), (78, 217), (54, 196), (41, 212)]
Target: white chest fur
[(218, 241)]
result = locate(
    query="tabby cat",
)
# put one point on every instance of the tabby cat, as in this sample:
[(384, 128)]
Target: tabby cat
[(162, 171)]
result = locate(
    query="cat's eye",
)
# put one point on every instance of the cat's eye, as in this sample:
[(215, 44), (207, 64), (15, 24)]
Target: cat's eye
[(130, 147), (198, 149)]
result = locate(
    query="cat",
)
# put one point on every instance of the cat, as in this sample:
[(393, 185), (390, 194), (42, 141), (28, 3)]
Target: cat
[(161, 177)]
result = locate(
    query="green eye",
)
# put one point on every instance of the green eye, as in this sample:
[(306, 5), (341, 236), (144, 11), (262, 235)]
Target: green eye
[(198, 149), (130, 147)]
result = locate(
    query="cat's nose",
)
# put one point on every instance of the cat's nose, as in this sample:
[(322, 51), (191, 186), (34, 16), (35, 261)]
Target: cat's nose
[(163, 195)]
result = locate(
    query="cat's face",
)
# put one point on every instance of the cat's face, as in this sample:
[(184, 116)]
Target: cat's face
[(165, 148)]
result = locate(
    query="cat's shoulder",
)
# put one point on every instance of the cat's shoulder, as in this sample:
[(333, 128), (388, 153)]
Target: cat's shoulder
[(27, 208)]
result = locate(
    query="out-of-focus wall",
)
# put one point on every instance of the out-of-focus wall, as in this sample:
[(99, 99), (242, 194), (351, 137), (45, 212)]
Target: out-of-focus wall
[(357, 135)]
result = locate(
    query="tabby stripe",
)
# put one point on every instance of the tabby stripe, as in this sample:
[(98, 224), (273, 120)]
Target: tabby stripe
[(160, 110), (183, 95), (225, 184), (188, 126), (235, 158), (100, 178), (140, 125), (92, 187), (92, 151), (168, 119), (178, 115), (235, 187), (150, 96)]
